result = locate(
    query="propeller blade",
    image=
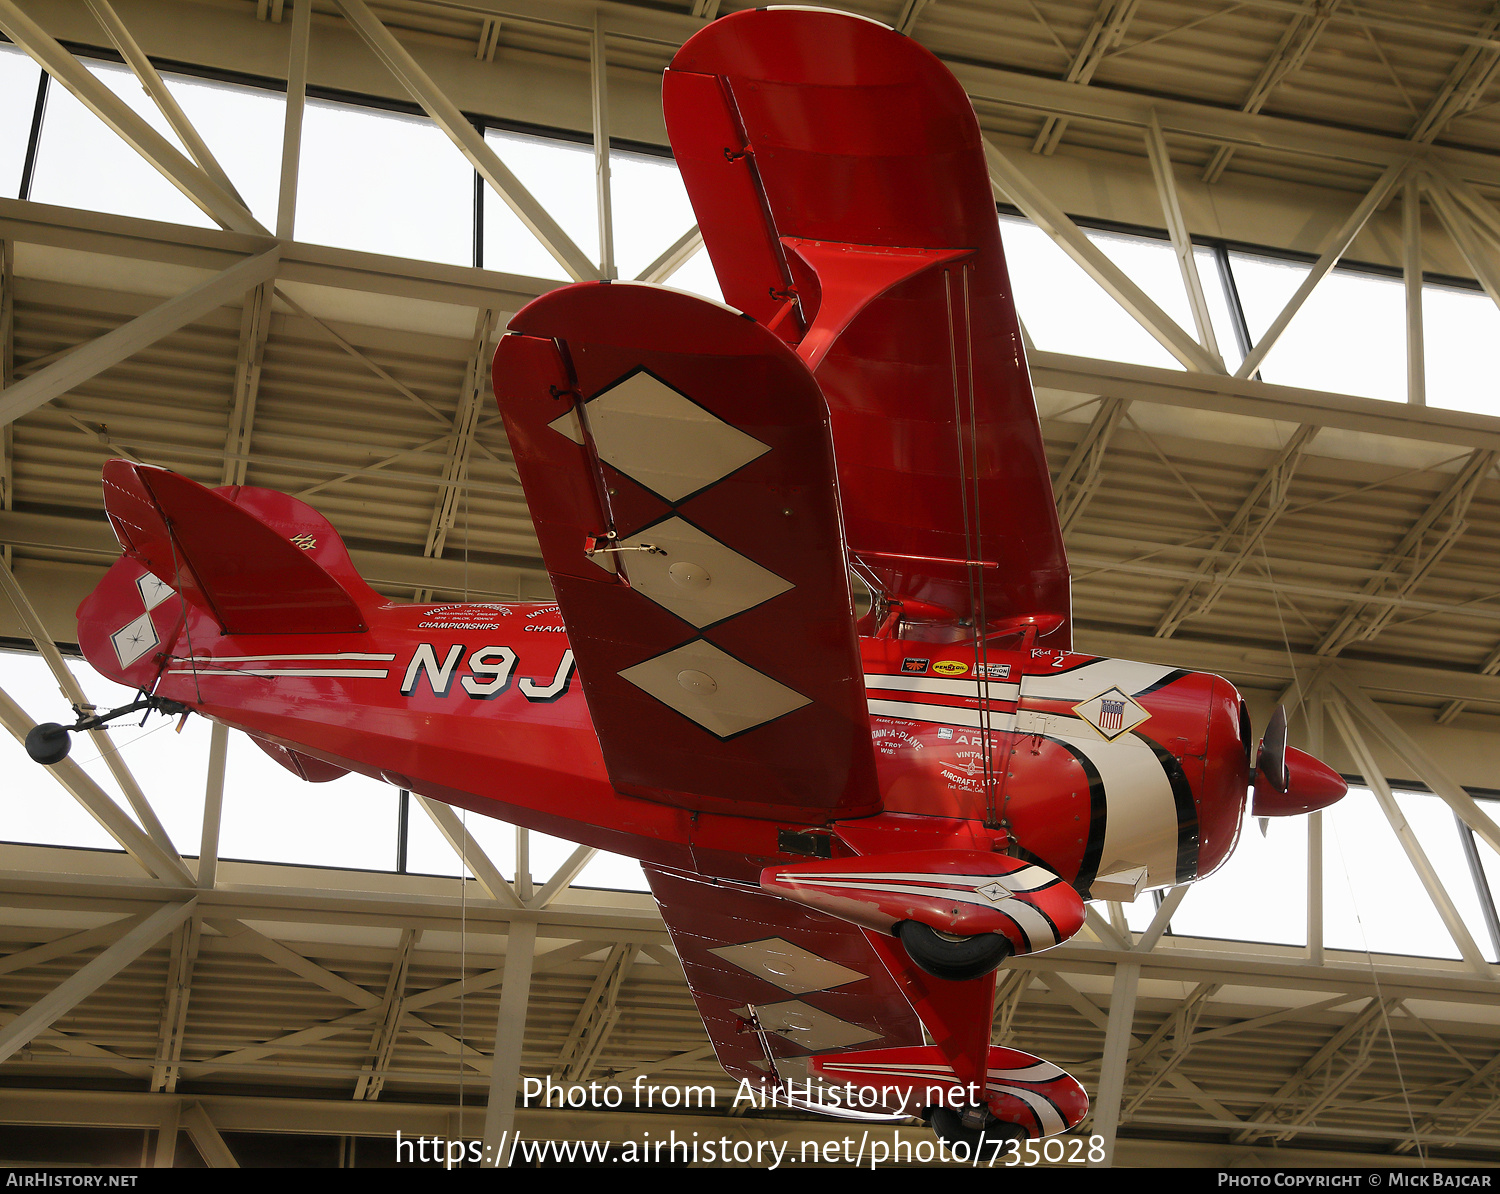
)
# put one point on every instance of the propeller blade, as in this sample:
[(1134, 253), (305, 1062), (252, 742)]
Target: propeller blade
[(1272, 759)]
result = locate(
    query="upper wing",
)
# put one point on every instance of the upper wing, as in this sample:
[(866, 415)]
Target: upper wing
[(834, 160), (775, 982), (676, 461)]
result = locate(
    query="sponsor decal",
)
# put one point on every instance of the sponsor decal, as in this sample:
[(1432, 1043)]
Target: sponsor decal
[(950, 667), (1112, 713), (915, 665), (995, 671), (945, 733), (464, 616)]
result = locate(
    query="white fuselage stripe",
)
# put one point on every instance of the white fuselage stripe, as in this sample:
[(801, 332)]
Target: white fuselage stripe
[(943, 715), (998, 690), (1094, 678), (203, 659), (1045, 1108), (347, 673)]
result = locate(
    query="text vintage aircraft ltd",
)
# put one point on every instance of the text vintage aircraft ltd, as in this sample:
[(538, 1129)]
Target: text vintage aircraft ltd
[(848, 823)]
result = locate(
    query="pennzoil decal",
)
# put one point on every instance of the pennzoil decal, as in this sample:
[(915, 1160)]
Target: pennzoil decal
[(950, 667)]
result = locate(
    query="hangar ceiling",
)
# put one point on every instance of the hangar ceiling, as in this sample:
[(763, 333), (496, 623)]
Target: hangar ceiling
[(1333, 551)]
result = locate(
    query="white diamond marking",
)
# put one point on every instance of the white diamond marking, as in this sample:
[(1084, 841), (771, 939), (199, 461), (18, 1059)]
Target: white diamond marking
[(135, 640), (695, 576), (153, 590), (739, 698), (790, 967), (657, 437)]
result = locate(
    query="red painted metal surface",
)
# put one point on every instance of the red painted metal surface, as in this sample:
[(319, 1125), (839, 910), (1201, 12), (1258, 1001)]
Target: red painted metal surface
[(953, 891), (1311, 785), (753, 960), (1020, 1089), (868, 404), (845, 133), (751, 514)]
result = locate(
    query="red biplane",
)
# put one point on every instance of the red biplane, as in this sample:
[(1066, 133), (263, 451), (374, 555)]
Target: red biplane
[(848, 821)]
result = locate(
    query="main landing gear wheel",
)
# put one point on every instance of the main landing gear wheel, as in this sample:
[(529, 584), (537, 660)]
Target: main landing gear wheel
[(953, 1127), (947, 955)]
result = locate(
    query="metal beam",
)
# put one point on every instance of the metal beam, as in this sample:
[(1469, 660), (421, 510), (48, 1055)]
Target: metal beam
[(1107, 30), (109, 349), (1079, 478), (1182, 241), (1274, 488), (1411, 271), (296, 106), (134, 841), (1464, 236), (155, 86), (470, 141), (471, 404), (1009, 182), (1465, 84), (206, 1138), (595, 1019), (471, 853), (673, 257), (563, 876), (174, 1009), (392, 1007), (510, 1032), (255, 329), (1421, 549), (73, 691), (1452, 919), (1359, 1027), (1330, 257), (213, 805), (1427, 769), (599, 92), (68, 994), (191, 179), (1291, 51)]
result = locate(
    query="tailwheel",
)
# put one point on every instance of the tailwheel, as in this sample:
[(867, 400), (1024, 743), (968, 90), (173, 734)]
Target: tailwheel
[(952, 956), (974, 1126)]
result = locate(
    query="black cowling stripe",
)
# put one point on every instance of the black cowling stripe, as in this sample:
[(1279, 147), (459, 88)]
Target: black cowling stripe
[(1093, 850), (1188, 836)]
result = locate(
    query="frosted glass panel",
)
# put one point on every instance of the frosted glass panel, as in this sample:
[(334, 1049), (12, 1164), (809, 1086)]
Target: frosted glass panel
[(1065, 310), (651, 210), (1348, 338), (1460, 329), (18, 83), (383, 183), (560, 176), (242, 127), (81, 162)]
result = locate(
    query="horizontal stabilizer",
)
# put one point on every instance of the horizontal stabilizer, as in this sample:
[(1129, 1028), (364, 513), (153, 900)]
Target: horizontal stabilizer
[(251, 577), (1019, 1088)]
